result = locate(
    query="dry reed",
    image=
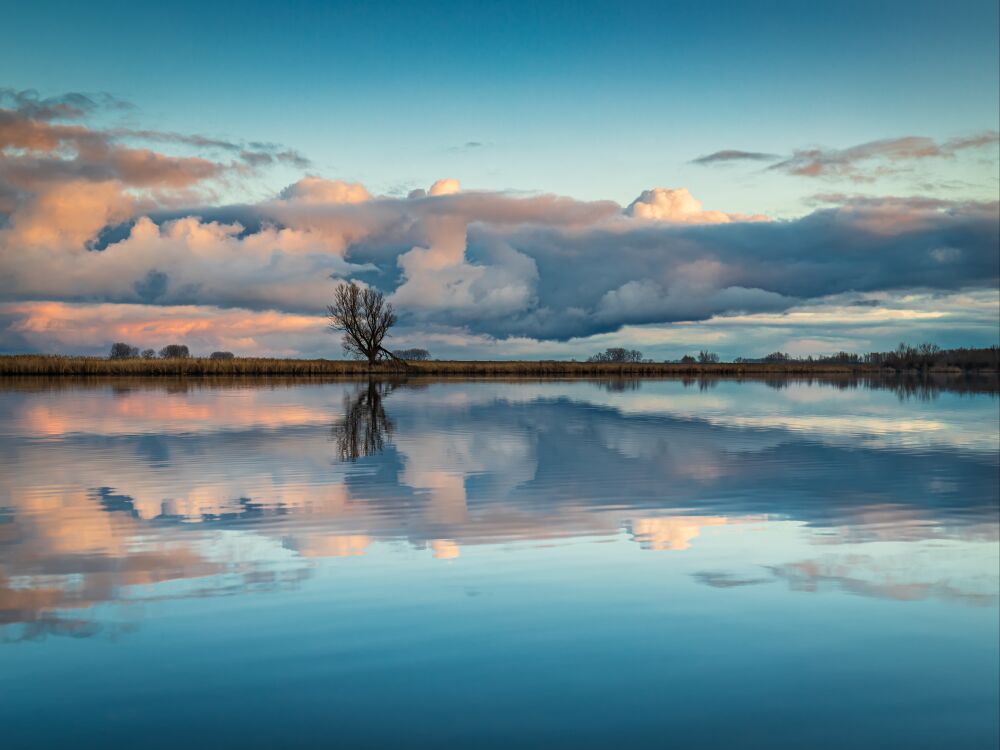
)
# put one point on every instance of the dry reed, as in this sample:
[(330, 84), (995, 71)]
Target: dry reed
[(32, 364)]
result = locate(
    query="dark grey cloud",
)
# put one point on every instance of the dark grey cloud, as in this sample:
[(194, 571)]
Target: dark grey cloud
[(728, 156), (68, 106), (152, 286)]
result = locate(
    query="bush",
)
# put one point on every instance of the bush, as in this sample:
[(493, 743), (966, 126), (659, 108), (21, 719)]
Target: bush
[(221, 355), (617, 354), (175, 351), (414, 355), (121, 350), (148, 354), (687, 359)]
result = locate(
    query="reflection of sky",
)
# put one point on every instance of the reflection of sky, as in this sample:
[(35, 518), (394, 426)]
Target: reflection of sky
[(120, 506)]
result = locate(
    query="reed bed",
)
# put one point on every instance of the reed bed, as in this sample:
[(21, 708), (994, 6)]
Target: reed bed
[(31, 364)]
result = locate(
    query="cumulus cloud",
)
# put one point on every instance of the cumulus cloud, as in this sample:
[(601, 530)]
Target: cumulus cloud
[(677, 205), (317, 190), (445, 187)]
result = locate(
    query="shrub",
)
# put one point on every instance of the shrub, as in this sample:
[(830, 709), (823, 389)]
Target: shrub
[(148, 354), (413, 355), (121, 350), (221, 355), (617, 354), (175, 351)]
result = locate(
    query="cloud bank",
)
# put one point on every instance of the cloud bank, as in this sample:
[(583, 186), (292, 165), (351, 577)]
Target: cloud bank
[(90, 218)]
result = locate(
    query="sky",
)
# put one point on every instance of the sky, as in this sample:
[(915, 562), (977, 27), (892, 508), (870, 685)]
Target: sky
[(521, 179)]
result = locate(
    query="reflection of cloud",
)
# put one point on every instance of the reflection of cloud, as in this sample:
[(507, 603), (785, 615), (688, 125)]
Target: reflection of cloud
[(336, 545), (882, 578), (721, 579), (102, 502), (444, 549), (137, 411), (673, 533)]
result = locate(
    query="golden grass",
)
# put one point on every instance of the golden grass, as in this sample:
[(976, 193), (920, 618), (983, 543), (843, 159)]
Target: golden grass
[(32, 364)]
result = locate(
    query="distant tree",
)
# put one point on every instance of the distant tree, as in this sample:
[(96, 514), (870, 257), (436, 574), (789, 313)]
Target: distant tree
[(777, 357), (364, 317), (687, 359), (148, 354), (221, 355), (414, 355), (707, 358), (617, 354), (121, 350), (175, 351)]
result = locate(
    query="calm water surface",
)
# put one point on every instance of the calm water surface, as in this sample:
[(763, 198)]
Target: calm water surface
[(498, 564)]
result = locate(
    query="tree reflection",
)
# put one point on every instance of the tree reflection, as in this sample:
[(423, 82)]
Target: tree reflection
[(364, 427)]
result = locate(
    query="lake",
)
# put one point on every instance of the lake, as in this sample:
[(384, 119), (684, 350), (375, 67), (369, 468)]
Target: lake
[(498, 564)]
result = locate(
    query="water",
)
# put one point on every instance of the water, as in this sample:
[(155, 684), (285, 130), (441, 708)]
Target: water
[(498, 564)]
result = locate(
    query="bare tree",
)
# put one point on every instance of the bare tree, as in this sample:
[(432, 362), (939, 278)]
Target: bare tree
[(364, 317), (707, 358)]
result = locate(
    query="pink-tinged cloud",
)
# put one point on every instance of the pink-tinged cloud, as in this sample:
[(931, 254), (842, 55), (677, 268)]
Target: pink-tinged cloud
[(62, 326), (867, 162), (317, 190)]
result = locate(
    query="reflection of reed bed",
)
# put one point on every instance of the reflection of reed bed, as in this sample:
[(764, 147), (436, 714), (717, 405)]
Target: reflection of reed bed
[(30, 364)]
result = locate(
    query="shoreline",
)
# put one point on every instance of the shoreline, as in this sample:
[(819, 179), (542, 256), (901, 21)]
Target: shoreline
[(36, 365)]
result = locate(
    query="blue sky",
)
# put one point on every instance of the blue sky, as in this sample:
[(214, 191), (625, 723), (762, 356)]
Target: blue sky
[(863, 134), (594, 100)]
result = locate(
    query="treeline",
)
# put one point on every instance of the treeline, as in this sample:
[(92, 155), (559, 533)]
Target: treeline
[(121, 350), (903, 357)]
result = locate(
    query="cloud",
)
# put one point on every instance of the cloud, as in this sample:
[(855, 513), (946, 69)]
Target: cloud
[(317, 190), (67, 106), (679, 206), (541, 267), (728, 156), (91, 327), (445, 187), (868, 161), (86, 219)]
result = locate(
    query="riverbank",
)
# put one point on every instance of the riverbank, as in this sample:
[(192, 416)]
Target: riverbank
[(19, 365)]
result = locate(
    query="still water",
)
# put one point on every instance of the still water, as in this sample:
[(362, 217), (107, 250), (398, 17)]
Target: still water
[(498, 564)]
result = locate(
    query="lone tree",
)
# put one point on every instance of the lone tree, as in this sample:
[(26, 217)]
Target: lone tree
[(364, 317)]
